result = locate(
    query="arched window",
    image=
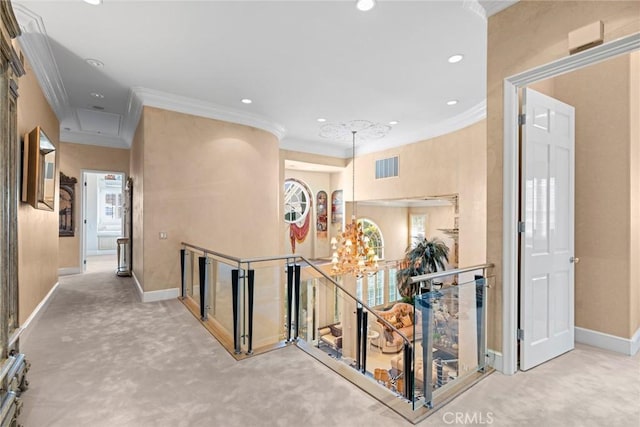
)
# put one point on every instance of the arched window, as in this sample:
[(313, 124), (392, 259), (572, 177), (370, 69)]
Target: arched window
[(372, 231), (297, 200)]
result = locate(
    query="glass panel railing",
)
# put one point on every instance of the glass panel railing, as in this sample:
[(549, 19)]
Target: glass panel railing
[(453, 322), (375, 341), (347, 332), (220, 300)]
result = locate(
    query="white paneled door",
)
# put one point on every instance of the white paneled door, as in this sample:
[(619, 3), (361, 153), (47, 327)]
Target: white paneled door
[(547, 232)]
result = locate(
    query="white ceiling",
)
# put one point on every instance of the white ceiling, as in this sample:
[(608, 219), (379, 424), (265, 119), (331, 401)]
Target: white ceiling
[(297, 60)]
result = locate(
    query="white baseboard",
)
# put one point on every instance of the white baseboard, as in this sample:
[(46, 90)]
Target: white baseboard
[(34, 314), (152, 296), (628, 346), (635, 342), (495, 360), (66, 271), (138, 287)]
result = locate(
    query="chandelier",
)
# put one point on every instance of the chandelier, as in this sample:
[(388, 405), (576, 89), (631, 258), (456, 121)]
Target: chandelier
[(352, 251)]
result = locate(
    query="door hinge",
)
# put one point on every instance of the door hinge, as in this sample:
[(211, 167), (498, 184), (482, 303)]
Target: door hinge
[(521, 227), (84, 262), (520, 334), (85, 183), (85, 221), (522, 119)]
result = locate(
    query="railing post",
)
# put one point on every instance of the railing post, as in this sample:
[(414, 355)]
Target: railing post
[(183, 273), (289, 300), (204, 284), (427, 346), (358, 336), (250, 309), (408, 371), (481, 316), (365, 340), (235, 290), (296, 283)]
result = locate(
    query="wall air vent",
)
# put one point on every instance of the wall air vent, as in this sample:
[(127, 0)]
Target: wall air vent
[(387, 168)]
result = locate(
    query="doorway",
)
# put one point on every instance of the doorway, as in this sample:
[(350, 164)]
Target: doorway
[(511, 190), (102, 219)]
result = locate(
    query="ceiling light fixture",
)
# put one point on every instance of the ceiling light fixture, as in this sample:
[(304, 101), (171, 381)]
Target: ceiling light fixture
[(393, 122), (365, 5), (452, 102), (321, 120), (94, 62), (352, 251), (97, 95), (455, 58), (93, 2), (246, 101)]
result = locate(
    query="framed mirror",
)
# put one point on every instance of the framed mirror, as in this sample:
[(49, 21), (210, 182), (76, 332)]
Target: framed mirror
[(39, 167)]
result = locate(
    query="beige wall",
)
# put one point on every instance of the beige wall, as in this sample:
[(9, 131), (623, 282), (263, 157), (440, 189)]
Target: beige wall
[(523, 36), (449, 164), (602, 188), (136, 164), (73, 159), (634, 161), (206, 182), (37, 229)]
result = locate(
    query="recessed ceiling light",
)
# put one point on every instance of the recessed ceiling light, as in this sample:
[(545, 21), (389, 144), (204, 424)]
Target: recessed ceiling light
[(365, 5), (455, 58), (393, 122), (93, 2), (246, 101), (97, 95), (321, 120), (94, 62), (452, 102)]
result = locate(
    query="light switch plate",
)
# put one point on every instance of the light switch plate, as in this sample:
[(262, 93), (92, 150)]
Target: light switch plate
[(163, 235)]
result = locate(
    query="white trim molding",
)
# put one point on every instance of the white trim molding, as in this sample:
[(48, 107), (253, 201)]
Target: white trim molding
[(495, 360), (67, 271), (34, 42), (152, 296), (510, 270), (34, 314), (195, 107), (628, 346)]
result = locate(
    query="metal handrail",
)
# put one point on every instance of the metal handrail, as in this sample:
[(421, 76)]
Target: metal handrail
[(294, 257), (445, 273)]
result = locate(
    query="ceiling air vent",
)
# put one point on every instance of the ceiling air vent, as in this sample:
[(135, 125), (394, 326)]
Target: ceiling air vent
[(387, 168)]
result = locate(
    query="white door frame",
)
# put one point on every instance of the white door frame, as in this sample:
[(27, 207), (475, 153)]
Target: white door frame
[(83, 229), (510, 183)]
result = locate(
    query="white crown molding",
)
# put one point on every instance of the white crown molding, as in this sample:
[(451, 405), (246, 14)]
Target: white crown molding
[(34, 42), (90, 138), (467, 118), (131, 118), (320, 148), (491, 7), (182, 104)]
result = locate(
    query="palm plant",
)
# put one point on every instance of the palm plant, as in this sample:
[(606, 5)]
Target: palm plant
[(426, 257)]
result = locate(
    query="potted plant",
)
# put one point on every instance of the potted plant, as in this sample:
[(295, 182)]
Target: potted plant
[(427, 256)]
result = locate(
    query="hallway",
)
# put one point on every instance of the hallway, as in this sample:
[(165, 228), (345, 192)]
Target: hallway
[(101, 358)]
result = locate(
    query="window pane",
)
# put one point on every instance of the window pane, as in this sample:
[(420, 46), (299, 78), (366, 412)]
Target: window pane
[(393, 287)]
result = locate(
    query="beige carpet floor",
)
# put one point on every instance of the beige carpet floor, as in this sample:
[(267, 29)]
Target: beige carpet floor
[(101, 358)]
